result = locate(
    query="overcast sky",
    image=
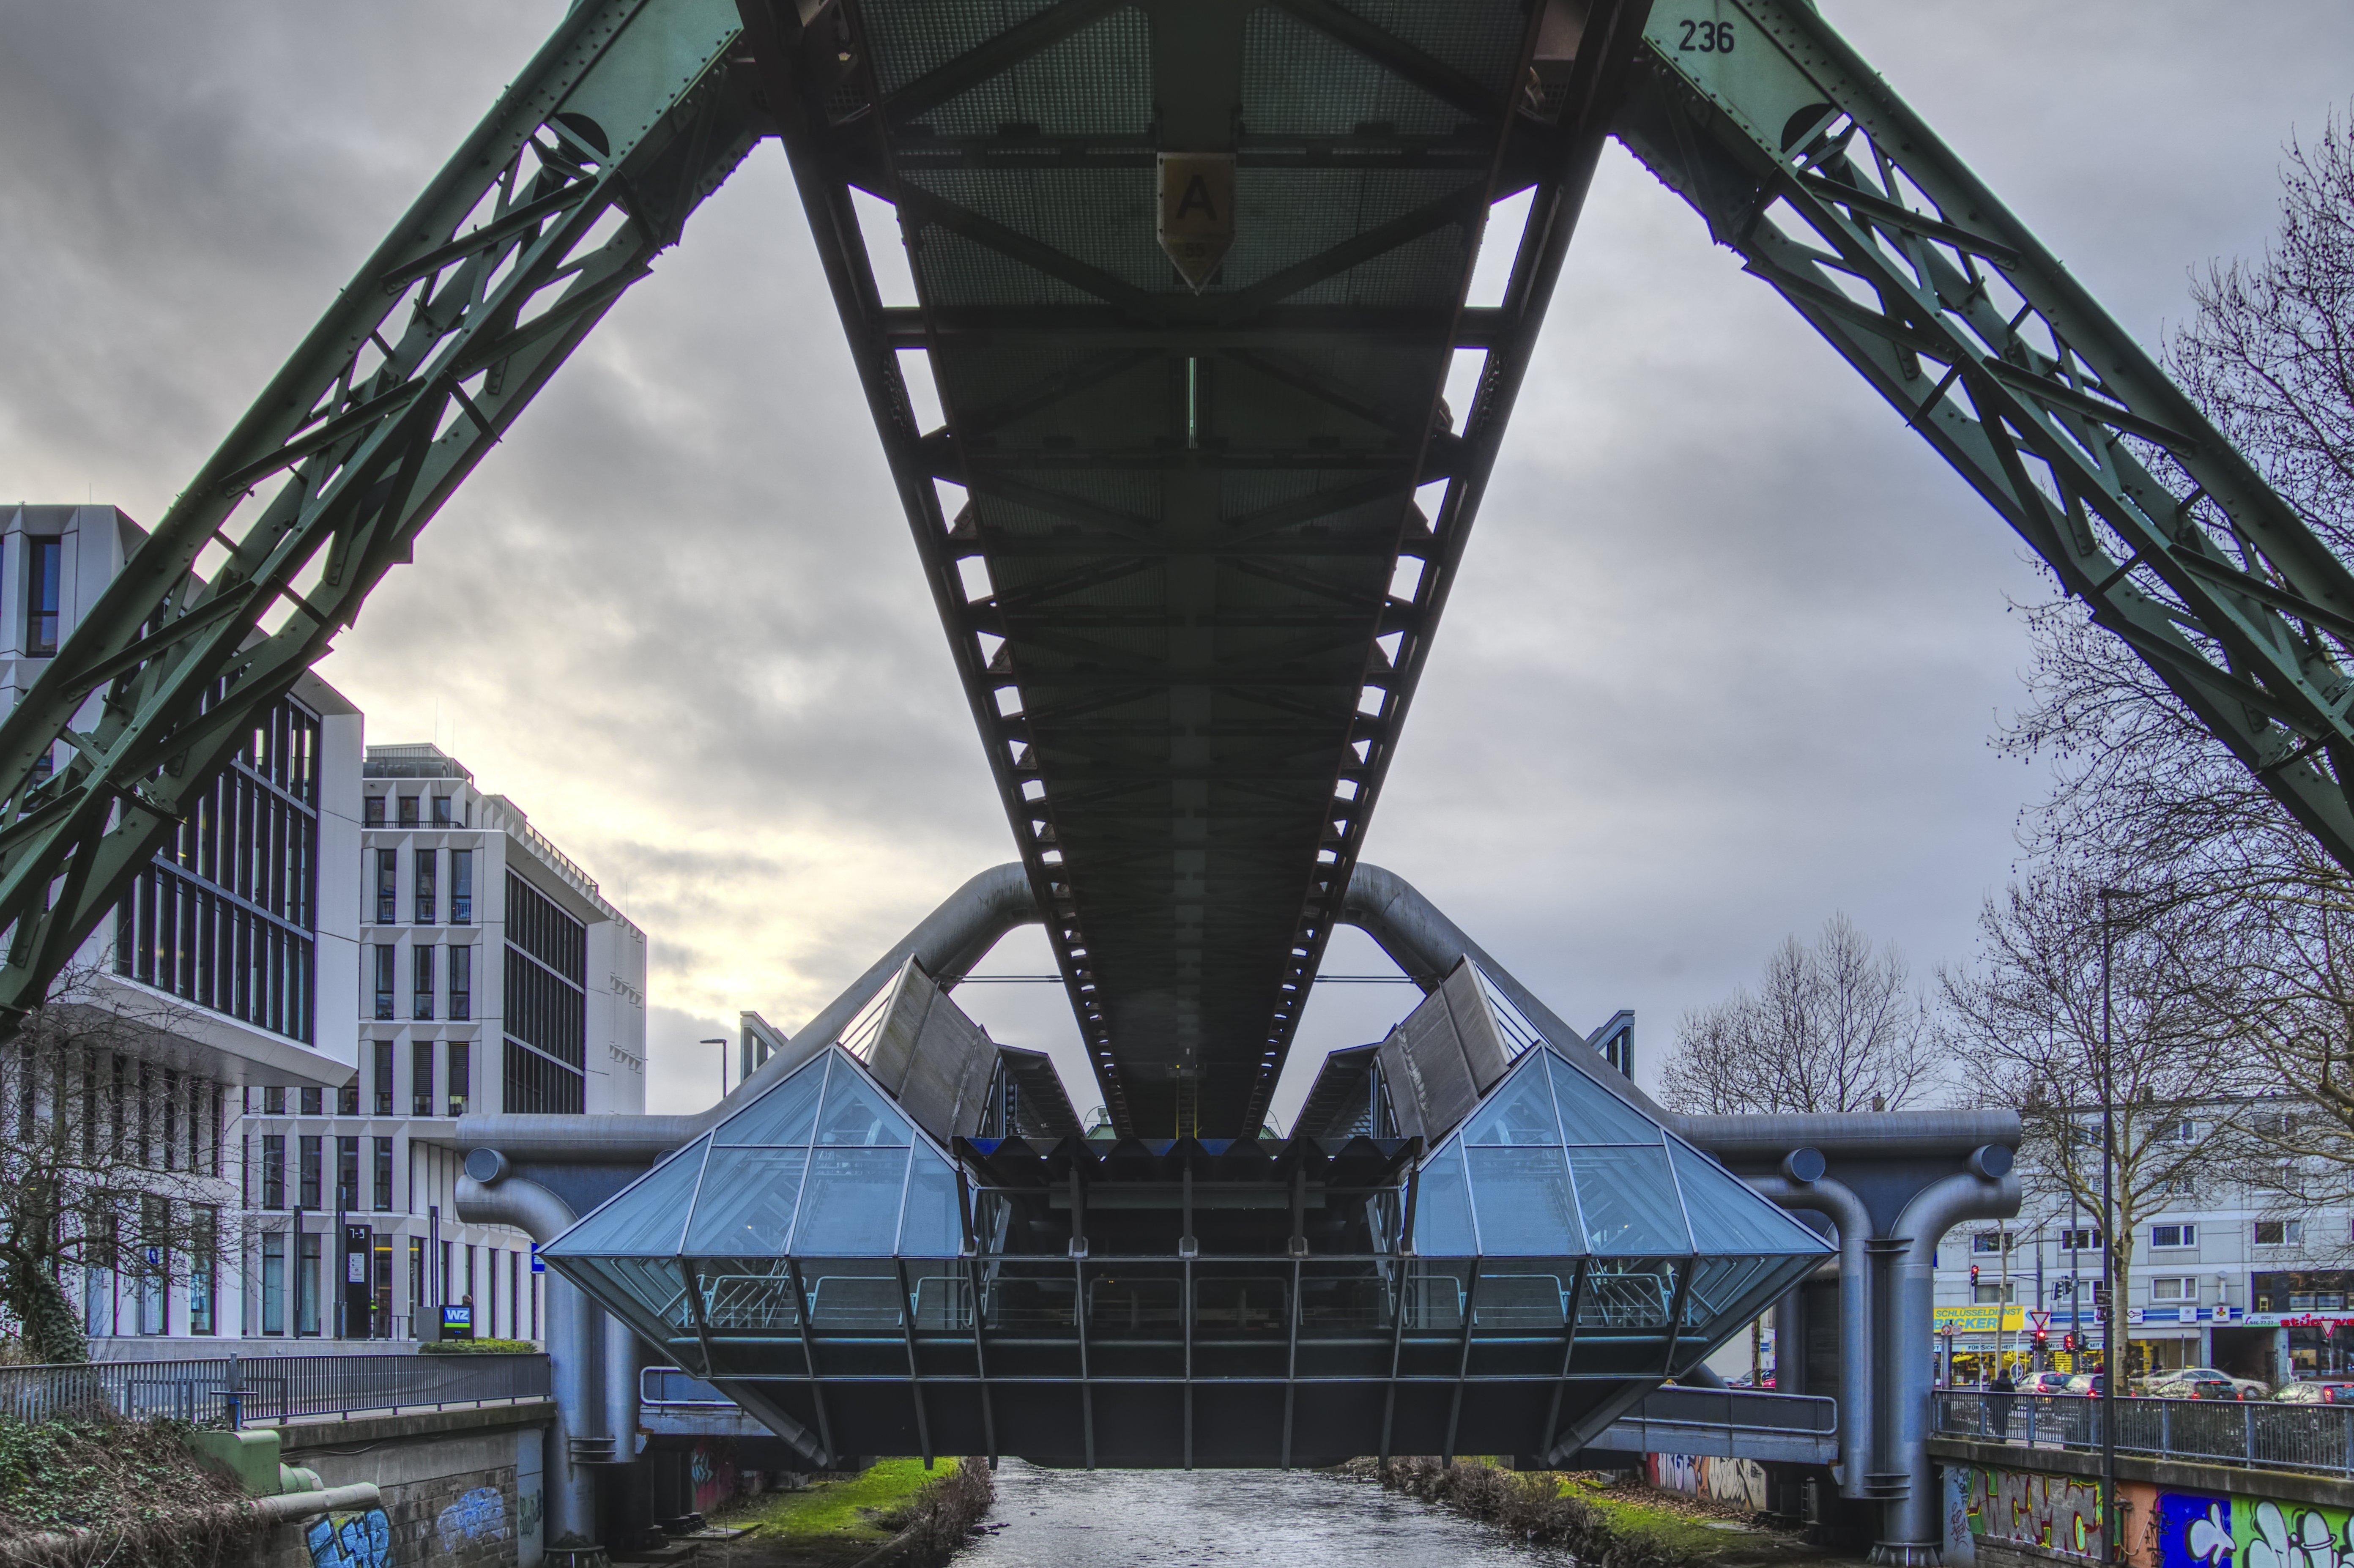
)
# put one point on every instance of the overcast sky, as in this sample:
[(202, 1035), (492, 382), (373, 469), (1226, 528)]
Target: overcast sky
[(1724, 658)]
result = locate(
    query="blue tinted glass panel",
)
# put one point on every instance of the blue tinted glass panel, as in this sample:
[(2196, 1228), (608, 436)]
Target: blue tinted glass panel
[(784, 1115), (643, 1219), (648, 1294), (1630, 1201), (1522, 1297), (1519, 1112), (930, 1228), (1623, 1294), (1523, 1202), (857, 1114), (1592, 1114), (1720, 1284), (746, 1208), (1727, 1216), (747, 1296), (1442, 1210), (850, 1207)]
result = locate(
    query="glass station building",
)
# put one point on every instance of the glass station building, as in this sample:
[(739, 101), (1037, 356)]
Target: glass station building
[(866, 1283)]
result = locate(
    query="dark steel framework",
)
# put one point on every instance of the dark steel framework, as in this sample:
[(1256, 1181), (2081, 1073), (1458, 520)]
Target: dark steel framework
[(862, 1288), (1188, 587)]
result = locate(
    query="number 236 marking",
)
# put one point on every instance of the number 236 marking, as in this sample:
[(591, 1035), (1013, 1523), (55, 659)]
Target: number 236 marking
[(1706, 39)]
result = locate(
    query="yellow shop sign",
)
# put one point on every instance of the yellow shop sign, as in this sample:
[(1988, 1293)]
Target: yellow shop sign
[(1987, 1320)]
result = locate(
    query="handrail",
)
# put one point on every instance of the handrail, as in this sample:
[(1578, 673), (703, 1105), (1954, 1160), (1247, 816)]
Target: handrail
[(2259, 1433)]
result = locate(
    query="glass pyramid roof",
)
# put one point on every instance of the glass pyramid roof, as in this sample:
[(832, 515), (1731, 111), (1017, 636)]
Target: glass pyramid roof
[(824, 1165), (1554, 1165)]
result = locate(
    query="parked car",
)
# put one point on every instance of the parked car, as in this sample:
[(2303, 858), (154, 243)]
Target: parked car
[(2046, 1382), (2316, 1393), (2084, 1382), (2161, 1383)]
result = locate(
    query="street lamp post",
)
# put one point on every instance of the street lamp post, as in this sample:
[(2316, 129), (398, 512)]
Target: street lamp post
[(722, 1043), (2109, 1367)]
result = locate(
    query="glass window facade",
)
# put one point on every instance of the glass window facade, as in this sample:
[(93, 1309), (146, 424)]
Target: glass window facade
[(44, 580), (544, 1009), (461, 888), (226, 918), (461, 984), (420, 963)]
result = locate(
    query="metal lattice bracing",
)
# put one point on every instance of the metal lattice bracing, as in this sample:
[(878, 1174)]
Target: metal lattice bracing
[(1835, 193)]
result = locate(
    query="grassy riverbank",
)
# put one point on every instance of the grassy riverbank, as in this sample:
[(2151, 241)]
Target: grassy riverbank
[(843, 1519), (1597, 1519)]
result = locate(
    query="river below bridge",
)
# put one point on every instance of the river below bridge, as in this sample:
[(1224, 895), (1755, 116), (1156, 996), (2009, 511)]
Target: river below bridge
[(1176, 1519)]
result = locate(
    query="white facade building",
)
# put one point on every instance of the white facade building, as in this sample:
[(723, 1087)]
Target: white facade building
[(351, 947), (494, 977), (2254, 1283), (239, 938)]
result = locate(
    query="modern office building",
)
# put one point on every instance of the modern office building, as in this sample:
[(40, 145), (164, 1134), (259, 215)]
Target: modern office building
[(229, 952), (493, 976)]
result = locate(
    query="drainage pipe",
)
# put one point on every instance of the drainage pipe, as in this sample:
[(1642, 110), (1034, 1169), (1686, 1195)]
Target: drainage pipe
[(946, 944), (1421, 940), (1763, 1140), (289, 1505), (1911, 1533), (575, 1328), (1802, 1185)]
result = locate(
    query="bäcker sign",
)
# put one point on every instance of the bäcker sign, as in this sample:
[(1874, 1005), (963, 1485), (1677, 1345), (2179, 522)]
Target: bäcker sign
[(1987, 1320)]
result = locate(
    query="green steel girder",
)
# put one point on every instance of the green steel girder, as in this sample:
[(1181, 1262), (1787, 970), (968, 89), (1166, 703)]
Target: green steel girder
[(1835, 193), (551, 209)]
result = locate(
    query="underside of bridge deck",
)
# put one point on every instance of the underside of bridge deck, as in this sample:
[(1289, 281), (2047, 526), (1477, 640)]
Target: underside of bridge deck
[(1190, 531)]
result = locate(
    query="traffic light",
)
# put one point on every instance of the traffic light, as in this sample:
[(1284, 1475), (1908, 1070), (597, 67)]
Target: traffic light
[(1974, 1273), (2043, 1340), (2068, 1342)]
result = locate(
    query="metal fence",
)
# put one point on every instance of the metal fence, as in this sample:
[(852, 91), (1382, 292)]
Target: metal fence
[(2230, 1432), (234, 1391)]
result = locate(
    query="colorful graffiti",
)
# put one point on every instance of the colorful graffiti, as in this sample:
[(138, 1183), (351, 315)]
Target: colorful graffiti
[(479, 1515), (2059, 1513), (2162, 1527), (1726, 1481), (350, 1540), (711, 1471)]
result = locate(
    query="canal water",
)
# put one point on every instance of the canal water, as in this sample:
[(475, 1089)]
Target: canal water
[(1178, 1519)]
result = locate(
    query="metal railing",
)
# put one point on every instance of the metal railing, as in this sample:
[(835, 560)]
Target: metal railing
[(238, 1390), (2317, 1437)]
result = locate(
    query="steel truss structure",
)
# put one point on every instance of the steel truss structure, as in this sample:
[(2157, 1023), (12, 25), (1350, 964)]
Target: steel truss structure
[(1173, 583)]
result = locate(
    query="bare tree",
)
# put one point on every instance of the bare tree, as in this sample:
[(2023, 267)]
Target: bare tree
[(2144, 792), (110, 1160), (1836, 1026), (2026, 1027)]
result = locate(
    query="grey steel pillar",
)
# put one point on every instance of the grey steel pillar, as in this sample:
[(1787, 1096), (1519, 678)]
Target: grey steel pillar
[(1912, 1533), (1803, 1185), (575, 1328)]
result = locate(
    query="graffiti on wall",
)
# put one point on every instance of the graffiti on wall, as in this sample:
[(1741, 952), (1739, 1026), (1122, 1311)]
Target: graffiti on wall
[(1739, 1482), (711, 1469), (2059, 1513), (479, 1515), (350, 1539), (2162, 1528)]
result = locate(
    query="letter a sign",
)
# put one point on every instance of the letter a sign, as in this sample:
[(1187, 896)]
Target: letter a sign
[(1197, 212)]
